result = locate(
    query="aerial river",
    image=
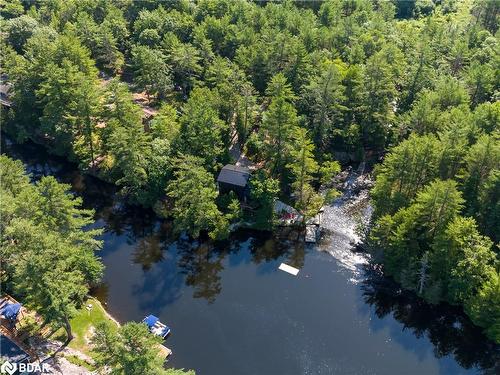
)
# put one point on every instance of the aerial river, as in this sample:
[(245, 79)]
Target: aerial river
[(233, 312)]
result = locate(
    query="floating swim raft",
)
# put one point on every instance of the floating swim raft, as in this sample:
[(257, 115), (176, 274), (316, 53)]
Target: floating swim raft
[(291, 270)]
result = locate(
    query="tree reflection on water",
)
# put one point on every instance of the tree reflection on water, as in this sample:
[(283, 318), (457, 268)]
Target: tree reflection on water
[(201, 264), (148, 251), (447, 327), (202, 261)]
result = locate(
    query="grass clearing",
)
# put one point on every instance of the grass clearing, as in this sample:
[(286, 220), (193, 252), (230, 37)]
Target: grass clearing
[(83, 324)]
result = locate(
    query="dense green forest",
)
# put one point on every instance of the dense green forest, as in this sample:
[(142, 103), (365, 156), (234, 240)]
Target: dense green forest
[(154, 95), (47, 254)]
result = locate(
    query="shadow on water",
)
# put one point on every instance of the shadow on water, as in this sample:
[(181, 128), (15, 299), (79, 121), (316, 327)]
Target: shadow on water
[(203, 261), (202, 264), (447, 327), (169, 265)]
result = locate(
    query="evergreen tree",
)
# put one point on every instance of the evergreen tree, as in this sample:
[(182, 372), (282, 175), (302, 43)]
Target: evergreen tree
[(303, 166), (405, 170), (49, 271), (48, 257), (264, 192), (19, 30), (130, 350), (87, 104), (165, 125), (193, 193), (484, 307), (152, 73), (184, 59), (129, 147), (127, 144), (247, 111), (480, 81), (325, 96), (482, 158), (408, 234), (201, 131), (279, 123), (69, 95), (488, 213), (462, 260), (378, 105)]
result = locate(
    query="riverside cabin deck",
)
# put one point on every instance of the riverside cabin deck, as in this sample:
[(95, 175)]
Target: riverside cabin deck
[(289, 216), (11, 329), (311, 233), (313, 227)]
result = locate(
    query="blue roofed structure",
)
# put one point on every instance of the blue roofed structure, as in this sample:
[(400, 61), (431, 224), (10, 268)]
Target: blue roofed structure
[(156, 327), (150, 320), (10, 310)]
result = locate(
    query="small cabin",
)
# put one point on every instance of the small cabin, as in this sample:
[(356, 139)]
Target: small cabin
[(234, 178)]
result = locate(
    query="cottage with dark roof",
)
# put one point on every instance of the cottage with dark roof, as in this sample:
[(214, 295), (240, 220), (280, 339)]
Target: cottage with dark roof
[(234, 178)]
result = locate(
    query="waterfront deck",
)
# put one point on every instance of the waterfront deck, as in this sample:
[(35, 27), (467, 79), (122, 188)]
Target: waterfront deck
[(311, 233), (164, 351)]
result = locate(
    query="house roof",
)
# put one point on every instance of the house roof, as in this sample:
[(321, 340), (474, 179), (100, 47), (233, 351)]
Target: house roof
[(234, 175)]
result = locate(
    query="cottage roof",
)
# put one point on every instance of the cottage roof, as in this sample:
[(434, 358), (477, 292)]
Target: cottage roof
[(234, 175)]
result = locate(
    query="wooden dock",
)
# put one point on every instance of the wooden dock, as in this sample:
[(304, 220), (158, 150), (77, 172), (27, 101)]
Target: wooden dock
[(311, 233), (313, 227), (289, 216), (164, 351)]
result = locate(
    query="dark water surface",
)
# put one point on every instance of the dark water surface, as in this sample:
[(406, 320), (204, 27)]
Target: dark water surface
[(233, 312)]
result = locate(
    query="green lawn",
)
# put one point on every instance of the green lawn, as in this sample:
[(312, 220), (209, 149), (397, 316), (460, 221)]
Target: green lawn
[(83, 324)]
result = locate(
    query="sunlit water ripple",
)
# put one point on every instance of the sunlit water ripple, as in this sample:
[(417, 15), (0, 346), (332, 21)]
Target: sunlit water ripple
[(340, 225)]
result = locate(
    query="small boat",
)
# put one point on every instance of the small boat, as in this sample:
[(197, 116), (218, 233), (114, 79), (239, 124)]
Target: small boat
[(156, 327)]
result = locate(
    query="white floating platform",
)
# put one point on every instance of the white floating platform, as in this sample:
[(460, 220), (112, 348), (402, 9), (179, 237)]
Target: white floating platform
[(291, 270)]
